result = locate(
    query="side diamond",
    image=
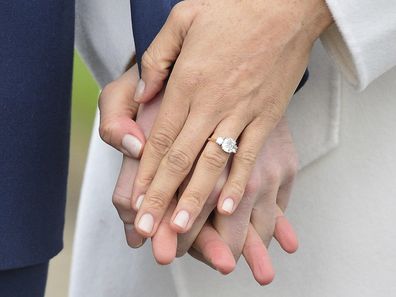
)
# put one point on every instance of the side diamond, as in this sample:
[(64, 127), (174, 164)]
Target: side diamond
[(219, 140)]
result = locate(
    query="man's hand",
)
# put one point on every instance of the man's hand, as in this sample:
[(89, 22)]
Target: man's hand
[(238, 64)]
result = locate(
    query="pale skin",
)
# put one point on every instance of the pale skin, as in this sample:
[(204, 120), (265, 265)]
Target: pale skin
[(240, 89), (215, 242)]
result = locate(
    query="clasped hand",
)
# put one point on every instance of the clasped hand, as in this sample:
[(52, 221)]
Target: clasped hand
[(218, 240), (233, 76)]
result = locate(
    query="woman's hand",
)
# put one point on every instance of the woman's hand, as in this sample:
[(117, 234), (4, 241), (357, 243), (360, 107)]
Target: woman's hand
[(117, 113), (208, 243), (238, 64)]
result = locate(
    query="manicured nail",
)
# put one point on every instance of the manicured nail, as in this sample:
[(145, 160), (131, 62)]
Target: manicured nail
[(139, 201), (134, 239), (132, 145), (146, 223), (228, 205), (139, 90), (182, 219)]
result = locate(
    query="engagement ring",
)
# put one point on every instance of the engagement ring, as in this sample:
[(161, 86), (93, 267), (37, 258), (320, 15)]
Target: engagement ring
[(227, 144)]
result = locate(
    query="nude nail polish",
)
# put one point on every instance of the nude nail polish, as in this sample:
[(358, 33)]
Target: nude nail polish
[(139, 90), (134, 239), (146, 223), (228, 205), (132, 145), (139, 201), (182, 219)]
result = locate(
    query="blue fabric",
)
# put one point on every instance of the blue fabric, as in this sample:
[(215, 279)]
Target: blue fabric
[(148, 17), (24, 282), (36, 60)]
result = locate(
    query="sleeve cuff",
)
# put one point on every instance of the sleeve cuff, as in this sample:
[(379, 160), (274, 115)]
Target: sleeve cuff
[(362, 41)]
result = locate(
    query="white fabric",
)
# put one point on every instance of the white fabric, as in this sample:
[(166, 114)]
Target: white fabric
[(105, 41), (342, 207), (363, 39), (104, 37)]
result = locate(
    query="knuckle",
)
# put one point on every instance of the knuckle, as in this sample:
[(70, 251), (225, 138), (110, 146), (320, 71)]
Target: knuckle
[(178, 161), (148, 58), (156, 200), (252, 187), (179, 12), (113, 91), (161, 141), (272, 176), (143, 181), (121, 201), (193, 77), (273, 109), (107, 92), (246, 158), (194, 200), (214, 159), (190, 75), (151, 59), (106, 130), (237, 188)]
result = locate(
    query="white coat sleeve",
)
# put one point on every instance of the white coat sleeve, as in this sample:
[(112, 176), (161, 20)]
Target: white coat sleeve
[(104, 37), (362, 40)]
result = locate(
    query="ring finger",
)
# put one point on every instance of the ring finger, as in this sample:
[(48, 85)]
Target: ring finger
[(210, 165), (243, 162)]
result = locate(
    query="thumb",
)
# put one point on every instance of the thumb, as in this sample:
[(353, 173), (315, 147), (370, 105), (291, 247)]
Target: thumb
[(117, 112), (163, 51)]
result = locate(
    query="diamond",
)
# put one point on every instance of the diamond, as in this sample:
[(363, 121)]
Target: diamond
[(229, 145), (219, 140)]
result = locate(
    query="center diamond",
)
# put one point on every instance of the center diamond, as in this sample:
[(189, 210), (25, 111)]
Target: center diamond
[(228, 145)]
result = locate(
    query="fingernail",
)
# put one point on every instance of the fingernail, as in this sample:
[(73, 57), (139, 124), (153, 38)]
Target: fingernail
[(228, 205), (139, 90), (146, 223), (134, 239), (132, 145), (182, 219), (139, 201)]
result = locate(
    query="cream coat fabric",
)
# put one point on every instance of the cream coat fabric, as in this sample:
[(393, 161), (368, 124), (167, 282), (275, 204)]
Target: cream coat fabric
[(343, 205)]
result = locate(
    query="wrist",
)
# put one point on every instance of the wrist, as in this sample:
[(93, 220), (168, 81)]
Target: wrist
[(317, 18), (303, 20)]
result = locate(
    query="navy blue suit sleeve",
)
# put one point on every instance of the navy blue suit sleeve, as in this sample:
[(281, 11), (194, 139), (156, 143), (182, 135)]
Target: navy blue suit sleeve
[(36, 59)]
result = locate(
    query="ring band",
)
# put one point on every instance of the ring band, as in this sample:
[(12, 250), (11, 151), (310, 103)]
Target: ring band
[(227, 144)]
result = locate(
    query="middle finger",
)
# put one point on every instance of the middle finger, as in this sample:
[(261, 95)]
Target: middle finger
[(172, 170)]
